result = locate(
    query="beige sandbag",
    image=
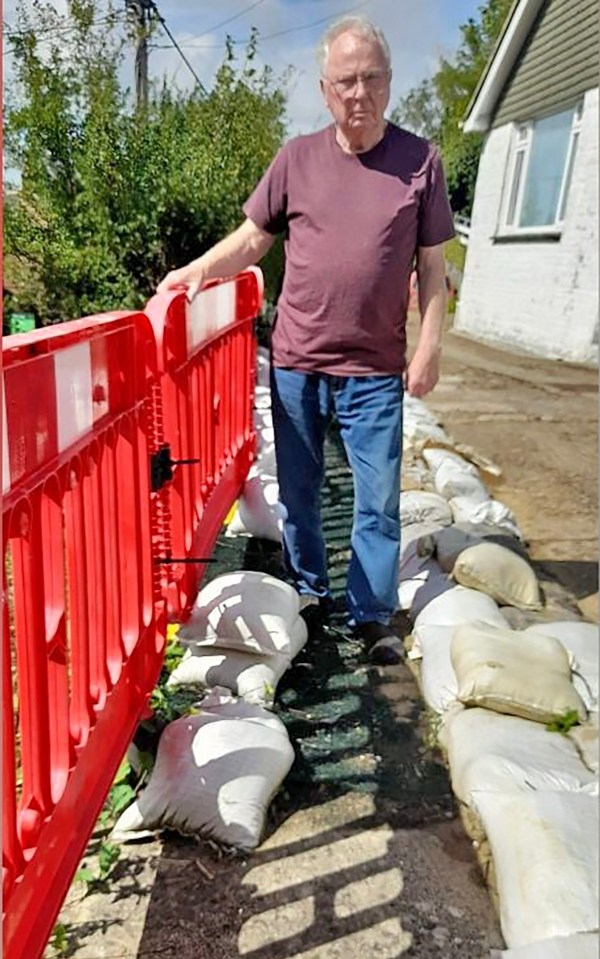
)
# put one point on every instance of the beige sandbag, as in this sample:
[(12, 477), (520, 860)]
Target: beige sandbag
[(514, 672), (215, 774), (446, 544), (497, 571), (490, 752), (582, 641)]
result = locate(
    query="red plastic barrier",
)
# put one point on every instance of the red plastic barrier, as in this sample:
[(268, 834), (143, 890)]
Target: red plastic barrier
[(125, 442), (207, 358), (83, 621)]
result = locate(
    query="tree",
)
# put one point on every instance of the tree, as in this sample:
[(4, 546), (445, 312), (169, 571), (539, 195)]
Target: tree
[(436, 107), (113, 196)]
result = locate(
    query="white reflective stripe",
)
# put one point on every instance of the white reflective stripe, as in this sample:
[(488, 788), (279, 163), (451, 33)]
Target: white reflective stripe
[(100, 389), (210, 311), (73, 382), (5, 456)]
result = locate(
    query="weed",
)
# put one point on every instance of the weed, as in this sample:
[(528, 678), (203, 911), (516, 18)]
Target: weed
[(564, 723)]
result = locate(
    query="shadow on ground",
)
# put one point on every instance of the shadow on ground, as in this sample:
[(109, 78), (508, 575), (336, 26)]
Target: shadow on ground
[(364, 854)]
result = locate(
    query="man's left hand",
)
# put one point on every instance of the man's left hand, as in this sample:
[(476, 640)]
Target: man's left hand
[(423, 372)]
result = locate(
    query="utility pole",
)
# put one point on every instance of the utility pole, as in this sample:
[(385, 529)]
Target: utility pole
[(140, 12)]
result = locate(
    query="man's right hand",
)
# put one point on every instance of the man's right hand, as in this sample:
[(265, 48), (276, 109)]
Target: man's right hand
[(191, 276)]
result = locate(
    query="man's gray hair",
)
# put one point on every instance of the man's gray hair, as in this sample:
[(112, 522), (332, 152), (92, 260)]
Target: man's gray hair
[(360, 27)]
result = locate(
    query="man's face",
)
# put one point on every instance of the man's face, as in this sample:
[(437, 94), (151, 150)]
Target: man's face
[(356, 85)]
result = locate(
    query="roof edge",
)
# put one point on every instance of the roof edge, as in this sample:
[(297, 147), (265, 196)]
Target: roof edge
[(521, 17)]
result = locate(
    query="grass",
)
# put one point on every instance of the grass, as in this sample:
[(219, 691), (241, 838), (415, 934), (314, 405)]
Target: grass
[(455, 253)]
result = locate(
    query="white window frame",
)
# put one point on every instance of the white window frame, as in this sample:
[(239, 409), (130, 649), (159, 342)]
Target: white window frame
[(522, 136)]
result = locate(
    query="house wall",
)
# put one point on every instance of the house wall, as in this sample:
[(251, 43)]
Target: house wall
[(540, 296), (557, 64)]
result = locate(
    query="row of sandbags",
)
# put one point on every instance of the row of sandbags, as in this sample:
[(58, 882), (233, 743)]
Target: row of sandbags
[(218, 767), (526, 777)]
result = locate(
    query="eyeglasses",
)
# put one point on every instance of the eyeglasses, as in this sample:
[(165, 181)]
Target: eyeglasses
[(372, 83)]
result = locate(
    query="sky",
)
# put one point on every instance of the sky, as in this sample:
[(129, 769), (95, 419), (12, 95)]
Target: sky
[(418, 31)]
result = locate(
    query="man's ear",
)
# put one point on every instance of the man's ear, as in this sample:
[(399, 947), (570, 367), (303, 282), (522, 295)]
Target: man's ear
[(322, 88)]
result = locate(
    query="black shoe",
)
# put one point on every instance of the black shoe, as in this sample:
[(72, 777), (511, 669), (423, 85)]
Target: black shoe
[(385, 648), (315, 610)]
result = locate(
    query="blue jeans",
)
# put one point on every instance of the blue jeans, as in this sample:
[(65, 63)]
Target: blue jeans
[(369, 412)]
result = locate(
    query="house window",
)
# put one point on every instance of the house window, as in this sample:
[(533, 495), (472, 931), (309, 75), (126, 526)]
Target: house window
[(542, 164)]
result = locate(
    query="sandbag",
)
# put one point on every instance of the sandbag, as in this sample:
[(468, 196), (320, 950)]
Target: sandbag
[(545, 851), (247, 611), (445, 545), (583, 945), (215, 775), (489, 752), (263, 367), (259, 511), (587, 743), (251, 676), (454, 476), (418, 506), (417, 572), (262, 398), (459, 605), (413, 532), (512, 672), (491, 513), (431, 644), (495, 570), (582, 641)]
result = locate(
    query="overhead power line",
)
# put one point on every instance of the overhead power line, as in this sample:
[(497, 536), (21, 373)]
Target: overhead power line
[(224, 23), (163, 23), (279, 33)]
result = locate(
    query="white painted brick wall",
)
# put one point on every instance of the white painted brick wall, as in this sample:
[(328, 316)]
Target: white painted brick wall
[(541, 297)]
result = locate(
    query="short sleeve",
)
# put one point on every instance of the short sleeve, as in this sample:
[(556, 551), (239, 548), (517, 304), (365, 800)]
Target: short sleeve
[(436, 223), (267, 205)]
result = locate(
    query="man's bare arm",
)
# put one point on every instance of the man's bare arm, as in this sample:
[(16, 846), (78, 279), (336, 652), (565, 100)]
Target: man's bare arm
[(424, 368), (240, 249)]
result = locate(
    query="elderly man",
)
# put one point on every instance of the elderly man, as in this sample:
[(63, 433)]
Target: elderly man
[(358, 203)]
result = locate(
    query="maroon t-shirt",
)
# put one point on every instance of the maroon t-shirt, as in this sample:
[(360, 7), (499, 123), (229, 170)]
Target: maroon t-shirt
[(352, 224)]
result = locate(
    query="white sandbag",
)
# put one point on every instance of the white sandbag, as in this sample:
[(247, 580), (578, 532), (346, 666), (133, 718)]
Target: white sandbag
[(215, 775), (418, 506), (492, 512), (431, 644), (415, 475), (248, 611), (582, 641), (251, 676), (265, 464), (263, 367), (413, 532), (545, 851), (493, 569), (262, 398), (489, 752), (587, 743), (259, 511), (415, 573), (514, 672), (454, 476), (460, 605), (583, 945)]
